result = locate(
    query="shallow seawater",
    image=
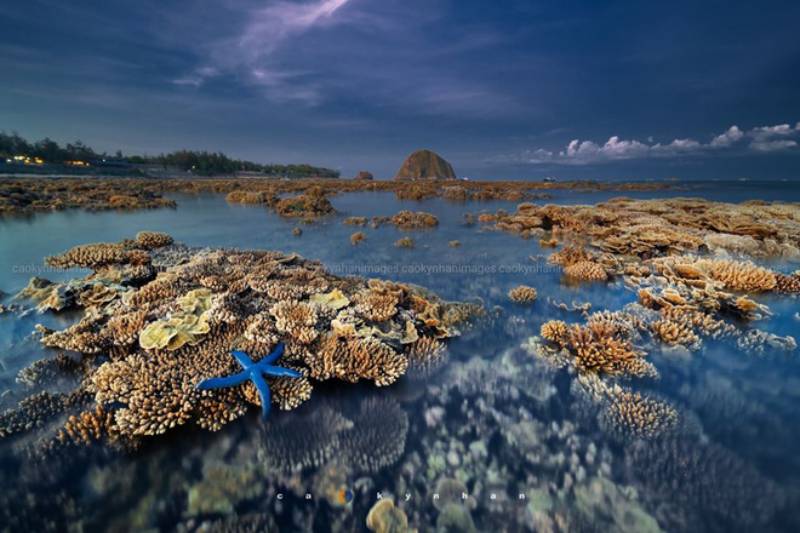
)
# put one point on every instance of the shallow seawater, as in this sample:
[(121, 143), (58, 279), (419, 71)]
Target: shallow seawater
[(495, 423)]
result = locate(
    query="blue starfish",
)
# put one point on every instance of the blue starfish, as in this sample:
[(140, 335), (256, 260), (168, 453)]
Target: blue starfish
[(254, 372)]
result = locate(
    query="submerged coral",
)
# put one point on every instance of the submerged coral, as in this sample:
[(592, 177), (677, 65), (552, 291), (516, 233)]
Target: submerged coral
[(407, 220), (357, 237), (404, 242), (711, 480), (602, 346), (522, 294), (166, 336)]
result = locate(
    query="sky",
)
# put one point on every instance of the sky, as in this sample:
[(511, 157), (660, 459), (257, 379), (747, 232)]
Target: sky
[(503, 89)]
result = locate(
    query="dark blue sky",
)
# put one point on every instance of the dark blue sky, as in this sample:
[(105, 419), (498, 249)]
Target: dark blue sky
[(502, 89)]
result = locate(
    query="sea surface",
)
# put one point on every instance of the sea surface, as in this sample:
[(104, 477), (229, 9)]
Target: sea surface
[(494, 424)]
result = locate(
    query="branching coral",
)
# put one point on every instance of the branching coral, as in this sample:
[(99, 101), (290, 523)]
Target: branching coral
[(605, 352), (352, 359), (378, 303), (673, 332), (425, 356), (712, 480), (555, 331), (295, 319), (586, 271), (153, 239), (632, 414), (97, 255), (522, 294), (739, 276), (569, 255)]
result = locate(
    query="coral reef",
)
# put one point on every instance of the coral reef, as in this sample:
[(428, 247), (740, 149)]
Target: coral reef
[(167, 335), (652, 228)]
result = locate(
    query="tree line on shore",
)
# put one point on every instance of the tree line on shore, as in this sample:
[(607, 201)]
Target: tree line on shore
[(201, 163)]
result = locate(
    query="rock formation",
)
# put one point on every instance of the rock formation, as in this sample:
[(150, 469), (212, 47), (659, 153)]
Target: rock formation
[(424, 164)]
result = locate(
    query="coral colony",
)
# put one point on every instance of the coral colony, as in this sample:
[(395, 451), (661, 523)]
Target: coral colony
[(254, 372)]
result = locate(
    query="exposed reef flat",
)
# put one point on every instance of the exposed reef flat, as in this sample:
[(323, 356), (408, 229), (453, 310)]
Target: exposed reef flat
[(650, 228), (158, 318), (25, 195)]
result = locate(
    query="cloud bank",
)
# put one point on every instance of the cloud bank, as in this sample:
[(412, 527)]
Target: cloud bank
[(761, 139)]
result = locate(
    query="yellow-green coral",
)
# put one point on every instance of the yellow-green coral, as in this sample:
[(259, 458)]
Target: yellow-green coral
[(175, 332), (334, 299)]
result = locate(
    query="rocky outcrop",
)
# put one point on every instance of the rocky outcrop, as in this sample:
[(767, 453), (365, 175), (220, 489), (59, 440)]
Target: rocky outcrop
[(425, 164)]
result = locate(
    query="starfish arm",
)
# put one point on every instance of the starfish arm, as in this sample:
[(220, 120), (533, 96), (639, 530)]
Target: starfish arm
[(243, 359), (281, 372), (227, 381), (263, 393), (274, 354)]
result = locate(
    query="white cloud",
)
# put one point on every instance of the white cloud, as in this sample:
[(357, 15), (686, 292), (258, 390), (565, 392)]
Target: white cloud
[(578, 152), (770, 131), (732, 135), (773, 146)]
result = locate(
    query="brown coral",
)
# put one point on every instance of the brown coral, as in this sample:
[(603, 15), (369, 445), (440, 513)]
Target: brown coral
[(296, 319), (741, 276), (414, 220), (787, 284), (606, 354), (425, 356), (673, 333), (404, 242), (97, 255), (555, 331), (632, 414), (586, 271), (357, 237), (569, 255), (522, 294), (352, 359), (153, 239)]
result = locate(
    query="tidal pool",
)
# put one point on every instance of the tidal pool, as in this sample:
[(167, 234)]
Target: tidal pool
[(496, 439)]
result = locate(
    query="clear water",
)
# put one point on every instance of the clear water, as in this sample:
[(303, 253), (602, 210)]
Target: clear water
[(507, 425)]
